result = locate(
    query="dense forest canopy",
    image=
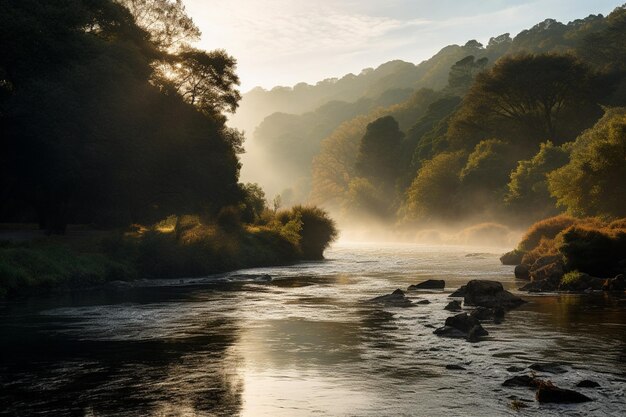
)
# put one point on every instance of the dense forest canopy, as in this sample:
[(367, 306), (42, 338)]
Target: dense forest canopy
[(484, 135), (110, 117)]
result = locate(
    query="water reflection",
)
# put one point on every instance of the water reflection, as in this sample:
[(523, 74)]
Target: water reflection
[(303, 344)]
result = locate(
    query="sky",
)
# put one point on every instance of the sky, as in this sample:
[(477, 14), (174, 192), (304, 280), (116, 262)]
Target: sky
[(284, 42)]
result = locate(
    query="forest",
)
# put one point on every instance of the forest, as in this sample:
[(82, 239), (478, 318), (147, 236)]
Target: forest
[(521, 129), (114, 128)]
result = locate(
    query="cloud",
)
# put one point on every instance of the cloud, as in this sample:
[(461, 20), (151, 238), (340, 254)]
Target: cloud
[(287, 41)]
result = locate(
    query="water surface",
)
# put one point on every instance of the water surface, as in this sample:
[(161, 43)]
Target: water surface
[(304, 344)]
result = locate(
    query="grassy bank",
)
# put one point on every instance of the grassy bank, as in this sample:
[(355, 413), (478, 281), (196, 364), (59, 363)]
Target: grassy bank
[(176, 247)]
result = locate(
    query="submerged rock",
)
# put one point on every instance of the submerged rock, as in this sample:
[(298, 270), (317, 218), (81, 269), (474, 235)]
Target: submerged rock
[(396, 299), (587, 383), (515, 369), (455, 367), (548, 367), (522, 381), (490, 294), (460, 292), (550, 394), (429, 284), (453, 306), (422, 302)]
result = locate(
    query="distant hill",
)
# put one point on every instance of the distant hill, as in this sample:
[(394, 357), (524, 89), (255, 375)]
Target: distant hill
[(285, 125)]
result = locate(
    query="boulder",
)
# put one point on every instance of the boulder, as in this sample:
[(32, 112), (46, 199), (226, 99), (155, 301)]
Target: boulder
[(484, 313), (464, 322), (522, 381), (545, 285), (462, 326), (586, 383), (396, 299), (547, 267), (617, 284), (490, 294), (460, 292), (422, 302), (550, 394), (453, 306), (512, 258), (447, 331), (429, 284), (522, 272)]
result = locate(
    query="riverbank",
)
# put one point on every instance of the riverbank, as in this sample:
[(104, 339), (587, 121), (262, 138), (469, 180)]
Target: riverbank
[(178, 247), (564, 253)]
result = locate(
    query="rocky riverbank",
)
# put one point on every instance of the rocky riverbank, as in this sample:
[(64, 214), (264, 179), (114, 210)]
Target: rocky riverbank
[(567, 254)]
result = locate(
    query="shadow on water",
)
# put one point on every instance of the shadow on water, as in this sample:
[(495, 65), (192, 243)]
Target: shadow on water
[(44, 371)]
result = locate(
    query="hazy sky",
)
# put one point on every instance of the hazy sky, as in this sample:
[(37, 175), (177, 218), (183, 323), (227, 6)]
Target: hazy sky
[(283, 42)]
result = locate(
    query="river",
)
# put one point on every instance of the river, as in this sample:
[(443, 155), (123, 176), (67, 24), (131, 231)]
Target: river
[(305, 344)]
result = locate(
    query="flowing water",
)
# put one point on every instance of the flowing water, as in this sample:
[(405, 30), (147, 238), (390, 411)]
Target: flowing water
[(305, 344)]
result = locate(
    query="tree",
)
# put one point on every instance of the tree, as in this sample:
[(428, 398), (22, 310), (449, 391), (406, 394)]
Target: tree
[(433, 195), (166, 21), (592, 183), (206, 80), (377, 158), (527, 192), (528, 98), (87, 136), (463, 72)]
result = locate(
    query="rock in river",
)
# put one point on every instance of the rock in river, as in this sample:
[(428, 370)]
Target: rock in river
[(586, 383), (396, 299), (462, 325), (550, 394), (489, 294), (429, 284), (549, 367), (453, 306)]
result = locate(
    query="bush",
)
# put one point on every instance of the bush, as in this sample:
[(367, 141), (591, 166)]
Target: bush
[(544, 229), (317, 232), (599, 252)]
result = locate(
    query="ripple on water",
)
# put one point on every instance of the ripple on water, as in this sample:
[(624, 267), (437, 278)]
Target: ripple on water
[(306, 344)]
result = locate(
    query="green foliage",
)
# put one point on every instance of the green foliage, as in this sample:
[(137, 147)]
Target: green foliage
[(25, 269), (528, 192), (364, 199), (596, 251), (317, 229), (92, 135), (571, 278), (254, 202), (433, 193), (528, 99), (592, 183), (378, 154)]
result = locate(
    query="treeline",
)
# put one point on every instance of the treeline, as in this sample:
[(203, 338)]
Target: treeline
[(538, 131), (109, 117)]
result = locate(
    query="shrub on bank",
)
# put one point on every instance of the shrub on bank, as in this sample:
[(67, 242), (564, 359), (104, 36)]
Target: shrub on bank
[(589, 245), (29, 268), (176, 247)]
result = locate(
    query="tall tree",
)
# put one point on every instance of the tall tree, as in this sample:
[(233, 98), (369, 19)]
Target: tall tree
[(529, 98)]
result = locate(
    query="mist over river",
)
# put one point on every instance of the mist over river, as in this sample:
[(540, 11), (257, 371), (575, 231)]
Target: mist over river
[(305, 344)]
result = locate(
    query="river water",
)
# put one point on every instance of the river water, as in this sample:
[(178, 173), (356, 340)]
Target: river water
[(305, 344)]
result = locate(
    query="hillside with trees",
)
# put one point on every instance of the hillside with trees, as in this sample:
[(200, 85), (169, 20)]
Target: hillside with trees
[(515, 135)]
